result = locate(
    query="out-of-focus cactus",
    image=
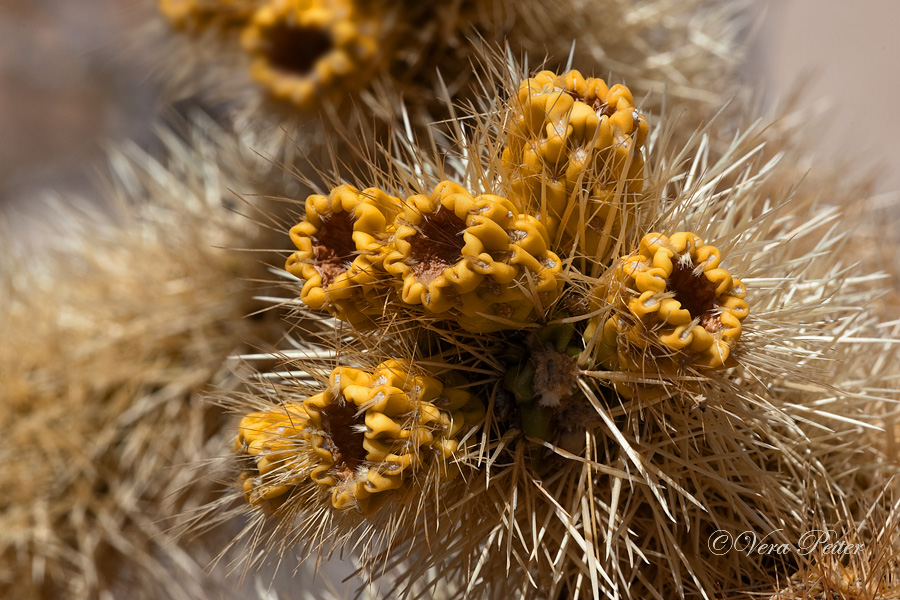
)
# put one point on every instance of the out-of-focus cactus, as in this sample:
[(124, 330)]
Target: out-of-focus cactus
[(307, 51), (198, 15)]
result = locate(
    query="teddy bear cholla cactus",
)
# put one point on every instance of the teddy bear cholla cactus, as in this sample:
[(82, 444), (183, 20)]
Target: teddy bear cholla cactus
[(581, 490)]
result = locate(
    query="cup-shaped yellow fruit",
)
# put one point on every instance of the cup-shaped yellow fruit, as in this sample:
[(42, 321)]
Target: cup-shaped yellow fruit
[(341, 246), (474, 259), (671, 306), (273, 440), (366, 434), (310, 51)]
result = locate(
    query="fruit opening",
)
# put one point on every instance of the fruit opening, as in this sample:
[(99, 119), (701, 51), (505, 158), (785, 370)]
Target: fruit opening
[(296, 49), (599, 106), (437, 244), (696, 294), (333, 247), (344, 437)]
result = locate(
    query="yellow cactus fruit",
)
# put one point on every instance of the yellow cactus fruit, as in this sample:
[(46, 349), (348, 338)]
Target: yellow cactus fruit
[(307, 51), (369, 433), (475, 255), (384, 423), (366, 434), (341, 245), (671, 306), (573, 157), (199, 14), (271, 440)]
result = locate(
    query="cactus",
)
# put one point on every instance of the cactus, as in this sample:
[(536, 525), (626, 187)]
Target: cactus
[(574, 158)]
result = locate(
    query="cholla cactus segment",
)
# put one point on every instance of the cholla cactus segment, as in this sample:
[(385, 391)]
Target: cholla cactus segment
[(368, 433), (341, 246), (671, 299), (453, 251), (574, 157), (305, 51), (196, 15)]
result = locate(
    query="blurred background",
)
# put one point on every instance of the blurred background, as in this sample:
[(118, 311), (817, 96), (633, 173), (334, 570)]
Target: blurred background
[(70, 82), (68, 87), (847, 53)]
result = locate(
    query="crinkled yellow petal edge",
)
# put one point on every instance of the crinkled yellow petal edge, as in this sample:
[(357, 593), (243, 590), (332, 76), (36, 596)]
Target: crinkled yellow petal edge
[(352, 295)]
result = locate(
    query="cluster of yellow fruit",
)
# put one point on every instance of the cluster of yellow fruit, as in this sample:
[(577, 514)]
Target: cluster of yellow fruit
[(492, 265), (471, 259)]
